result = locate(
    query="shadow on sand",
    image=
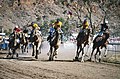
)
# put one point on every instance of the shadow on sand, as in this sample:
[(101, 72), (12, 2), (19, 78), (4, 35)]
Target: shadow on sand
[(58, 60)]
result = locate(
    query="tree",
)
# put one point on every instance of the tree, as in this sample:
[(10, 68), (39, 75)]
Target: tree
[(19, 3), (110, 9), (88, 5), (77, 7)]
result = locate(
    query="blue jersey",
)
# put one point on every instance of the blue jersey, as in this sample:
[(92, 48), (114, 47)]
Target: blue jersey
[(52, 30)]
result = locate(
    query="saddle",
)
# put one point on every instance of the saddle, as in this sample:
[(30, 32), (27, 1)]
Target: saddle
[(82, 33), (99, 38)]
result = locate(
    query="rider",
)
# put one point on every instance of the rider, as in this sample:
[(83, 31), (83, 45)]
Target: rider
[(104, 27), (34, 28), (56, 27), (16, 31), (85, 27)]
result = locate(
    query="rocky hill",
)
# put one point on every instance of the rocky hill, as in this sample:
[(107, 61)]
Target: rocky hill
[(23, 12)]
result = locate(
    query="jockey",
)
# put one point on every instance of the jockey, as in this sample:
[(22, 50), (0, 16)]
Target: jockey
[(34, 28), (104, 27), (17, 29), (85, 27), (57, 26), (85, 24)]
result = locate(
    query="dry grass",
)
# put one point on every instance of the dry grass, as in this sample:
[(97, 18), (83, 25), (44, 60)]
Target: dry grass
[(113, 58)]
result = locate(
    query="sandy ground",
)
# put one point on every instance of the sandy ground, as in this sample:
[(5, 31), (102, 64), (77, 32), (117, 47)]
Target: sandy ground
[(27, 67)]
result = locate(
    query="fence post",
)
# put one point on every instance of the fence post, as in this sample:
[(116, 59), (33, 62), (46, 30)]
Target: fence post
[(115, 53)]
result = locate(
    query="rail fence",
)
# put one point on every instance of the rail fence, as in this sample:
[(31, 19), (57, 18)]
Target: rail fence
[(115, 49)]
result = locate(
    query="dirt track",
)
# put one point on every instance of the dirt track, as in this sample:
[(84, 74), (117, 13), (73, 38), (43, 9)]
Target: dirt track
[(26, 67)]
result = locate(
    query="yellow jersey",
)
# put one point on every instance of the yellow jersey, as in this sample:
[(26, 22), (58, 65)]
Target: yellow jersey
[(86, 25)]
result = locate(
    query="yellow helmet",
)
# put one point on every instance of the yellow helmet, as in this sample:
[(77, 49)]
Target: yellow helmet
[(86, 24), (35, 25)]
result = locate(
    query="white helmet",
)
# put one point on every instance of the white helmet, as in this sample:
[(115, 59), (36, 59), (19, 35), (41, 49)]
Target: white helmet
[(106, 21), (16, 26)]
